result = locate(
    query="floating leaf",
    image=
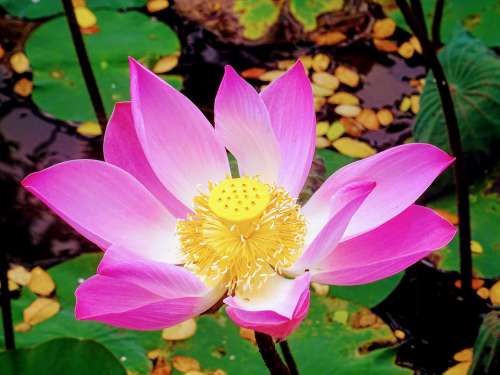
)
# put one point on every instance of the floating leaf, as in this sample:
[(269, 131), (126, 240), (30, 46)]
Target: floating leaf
[(307, 11), (59, 86), (473, 73), (333, 160), (485, 216), (62, 356), (256, 16), (33, 9)]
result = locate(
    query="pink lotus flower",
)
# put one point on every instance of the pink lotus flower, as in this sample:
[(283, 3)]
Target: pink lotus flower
[(180, 234)]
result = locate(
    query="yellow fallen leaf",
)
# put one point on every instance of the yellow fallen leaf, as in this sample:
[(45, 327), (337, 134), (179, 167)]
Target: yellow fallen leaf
[(166, 64), (22, 327), (326, 80), (320, 289), (347, 76), (329, 38), (385, 45), (12, 285), (162, 367), (448, 216), (156, 353), (185, 364), (219, 372), (343, 98), (181, 331), (415, 103), (322, 128), (484, 293), (464, 355), (41, 282), (320, 62), (85, 17), (335, 131), (271, 75), (248, 334), (384, 28), (41, 309), (400, 334), (385, 116), (341, 316), (156, 5), (353, 148), (89, 129), (406, 50), (416, 44), (368, 118), (322, 142), (19, 275), (459, 369), (405, 104), (306, 60), (495, 293), (19, 62), (476, 247)]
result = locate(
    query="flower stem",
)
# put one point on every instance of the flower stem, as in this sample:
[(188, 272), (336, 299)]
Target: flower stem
[(8, 329), (436, 23), (85, 66), (461, 182), (269, 354), (290, 361)]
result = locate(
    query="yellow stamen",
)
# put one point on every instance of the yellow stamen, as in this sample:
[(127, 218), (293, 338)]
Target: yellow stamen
[(242, 233)]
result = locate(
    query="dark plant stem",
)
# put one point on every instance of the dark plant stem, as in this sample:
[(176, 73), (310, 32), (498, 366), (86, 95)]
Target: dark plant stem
[(85, 66), (418, 11), (290, 361), (8, 329), (436, 23), (270, 356), (461, 182)]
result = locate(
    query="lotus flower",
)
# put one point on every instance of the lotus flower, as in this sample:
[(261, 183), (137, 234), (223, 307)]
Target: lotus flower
[(181, 235)]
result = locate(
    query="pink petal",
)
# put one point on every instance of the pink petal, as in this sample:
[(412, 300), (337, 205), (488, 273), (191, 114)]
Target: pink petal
[(345, 202), (123, 149), (242, 123), (178, 141), (277, 308), (107, 205), (289, 101), (402, 174), (388, 249), (136, 293)]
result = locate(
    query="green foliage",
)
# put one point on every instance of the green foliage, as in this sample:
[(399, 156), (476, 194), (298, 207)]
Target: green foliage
[(478, 17), (487, 347), (368, 295), (62, 356), (323, 344), (307, 11), (333, 160), (473, 73), (485, 216), (59, 86), (256, 17), (33, 9)]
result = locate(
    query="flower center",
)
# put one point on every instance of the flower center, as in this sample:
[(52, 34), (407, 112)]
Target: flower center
[(241, 233)]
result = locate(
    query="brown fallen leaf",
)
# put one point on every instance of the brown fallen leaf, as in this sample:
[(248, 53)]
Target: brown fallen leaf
[(353, 148), (19, 62), (329, 38), (477, 283), (161, 367), (156, 5), (253, 73), (347, 76), (23, 87), (185, 364), (40, 309), (181, 331), (41, 282), (385, 45), (248, 334), (351, 127), (448, 216), (364, 318), (384, 28), (166, 64), (464, 355), (368, 118), (2, 52), (19, 275)]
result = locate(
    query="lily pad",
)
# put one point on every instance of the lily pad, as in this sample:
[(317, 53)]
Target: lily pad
[(333, 160), (344, 349), (62, 356), (485, 216), (473, 72), (307, 11), (33, 9), (59, 86), (369, 295), (256, 17), (130, 347), (478, 17)]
